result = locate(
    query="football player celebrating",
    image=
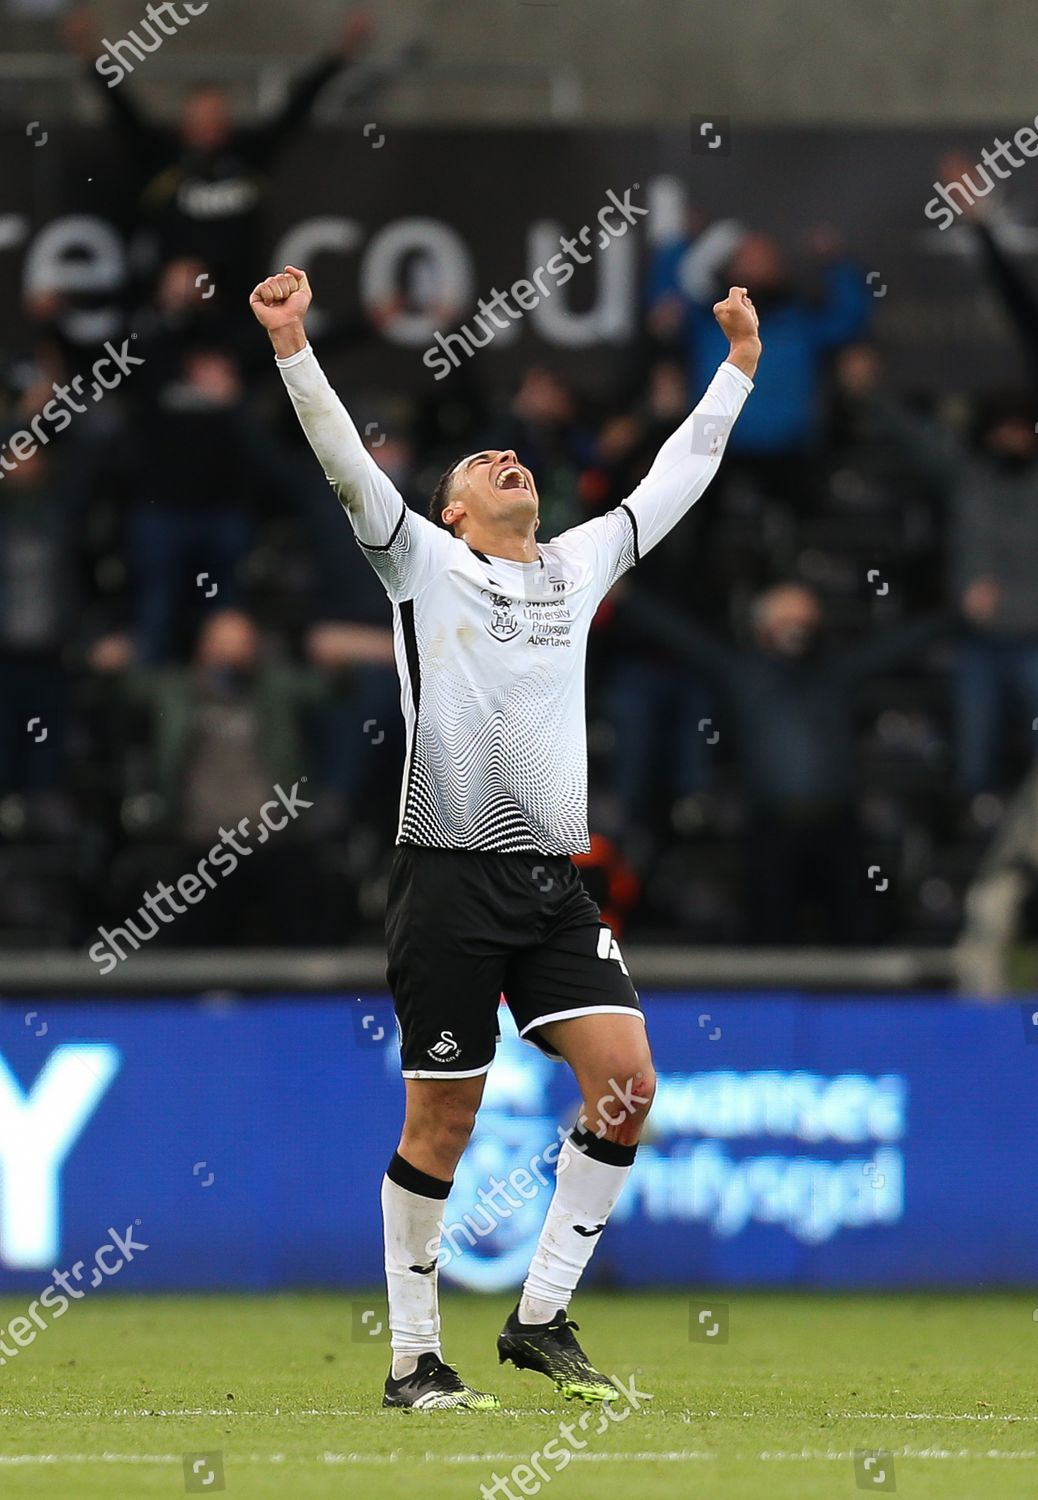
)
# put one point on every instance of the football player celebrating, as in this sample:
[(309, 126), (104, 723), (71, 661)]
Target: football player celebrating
[(491, 629)]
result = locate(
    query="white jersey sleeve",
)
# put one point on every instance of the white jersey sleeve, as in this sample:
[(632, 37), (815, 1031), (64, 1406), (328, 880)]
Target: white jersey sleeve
[(684, 466), (405, 549)]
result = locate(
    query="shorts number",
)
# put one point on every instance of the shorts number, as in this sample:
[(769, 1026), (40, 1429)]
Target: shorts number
[(608, 947)]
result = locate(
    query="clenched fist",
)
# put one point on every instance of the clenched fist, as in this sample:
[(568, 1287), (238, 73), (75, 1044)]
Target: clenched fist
[(737, 318), (737, 315), (280, 304), (282, 299)]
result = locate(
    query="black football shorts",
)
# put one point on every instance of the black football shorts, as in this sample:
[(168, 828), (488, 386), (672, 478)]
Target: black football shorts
[(464, 928)]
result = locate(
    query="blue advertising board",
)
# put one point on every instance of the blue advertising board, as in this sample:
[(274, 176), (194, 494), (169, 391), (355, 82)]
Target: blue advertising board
[(802, 1142)]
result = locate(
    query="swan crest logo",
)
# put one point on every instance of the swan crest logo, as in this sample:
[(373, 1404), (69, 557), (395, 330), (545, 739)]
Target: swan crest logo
[(446, 1049)]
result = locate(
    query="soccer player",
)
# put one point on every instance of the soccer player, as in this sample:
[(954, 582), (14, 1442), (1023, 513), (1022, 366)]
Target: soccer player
[(491, 630)]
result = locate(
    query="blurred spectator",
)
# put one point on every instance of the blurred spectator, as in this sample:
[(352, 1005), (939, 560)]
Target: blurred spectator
[(221, 730), (200, 187), (359, 741), (45, 358), (221, 734), (626, 444), (41, 517), (1018, 299), (1007, 876), (791, 701), (195, 467), (654, 705), (1016, 295), (991, 493), (660, 760), (357, 734), (780, 423), (205, 741)]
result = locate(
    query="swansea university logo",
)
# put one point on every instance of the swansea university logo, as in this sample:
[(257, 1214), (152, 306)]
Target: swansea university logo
[(504, 624)]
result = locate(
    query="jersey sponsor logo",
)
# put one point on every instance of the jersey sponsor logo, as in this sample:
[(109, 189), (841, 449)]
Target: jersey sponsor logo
[(504, 623), (446, 1049)]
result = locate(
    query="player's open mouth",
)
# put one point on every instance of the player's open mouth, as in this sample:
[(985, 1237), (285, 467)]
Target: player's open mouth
[(512, 479)]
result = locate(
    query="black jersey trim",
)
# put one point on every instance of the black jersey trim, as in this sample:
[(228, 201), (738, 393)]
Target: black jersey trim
[(490, 561), (385, 546), (415, 678), (411, 652), (634, 527)]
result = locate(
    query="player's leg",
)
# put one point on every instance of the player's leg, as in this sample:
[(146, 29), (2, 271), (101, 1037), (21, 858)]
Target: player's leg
[(610, 1057), (440, 1114), (446, 977), (573, 997), (438, 1119), (438, 1122), (612, 1062)]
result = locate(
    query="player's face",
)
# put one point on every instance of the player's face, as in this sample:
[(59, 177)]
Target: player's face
[(491, 488)]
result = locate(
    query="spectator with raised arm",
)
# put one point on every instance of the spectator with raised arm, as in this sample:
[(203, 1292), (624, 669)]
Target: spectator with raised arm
[(199, 186), (790, 700), (798, 333), (990, 492)]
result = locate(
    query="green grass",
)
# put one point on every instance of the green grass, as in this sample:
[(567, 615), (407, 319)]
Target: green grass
[(945, 1383)]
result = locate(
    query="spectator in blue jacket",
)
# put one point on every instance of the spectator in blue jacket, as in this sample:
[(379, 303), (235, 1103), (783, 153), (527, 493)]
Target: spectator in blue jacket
[(797, 334)]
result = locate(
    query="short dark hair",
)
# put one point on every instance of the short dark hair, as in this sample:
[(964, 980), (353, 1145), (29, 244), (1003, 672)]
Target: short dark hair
[(441, 497)]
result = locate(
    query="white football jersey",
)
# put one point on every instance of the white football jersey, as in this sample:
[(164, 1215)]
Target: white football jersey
[(490, 652)]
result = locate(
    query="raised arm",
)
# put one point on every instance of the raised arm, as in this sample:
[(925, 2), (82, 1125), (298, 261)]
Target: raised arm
[(271, 135), (689, 459), (896, 644), (404, 548), (148, 140), (844, 311), (685, 464), (1014, 291), (659, 623), (928, 445)]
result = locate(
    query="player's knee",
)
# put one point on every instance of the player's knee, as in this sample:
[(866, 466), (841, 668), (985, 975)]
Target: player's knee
[(455, 1119), (642, 1090), (647, 1088), (620, 1102), (442, 1124)]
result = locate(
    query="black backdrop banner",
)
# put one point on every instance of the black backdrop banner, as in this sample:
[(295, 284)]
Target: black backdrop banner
[(447, 217)]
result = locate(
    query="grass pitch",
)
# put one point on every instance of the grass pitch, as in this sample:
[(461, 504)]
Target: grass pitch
[(109, 1400)]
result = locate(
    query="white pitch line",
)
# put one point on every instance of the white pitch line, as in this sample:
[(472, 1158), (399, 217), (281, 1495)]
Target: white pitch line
[(143, 1413), (931, 1416), (185, 1411), (804, 1455)]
